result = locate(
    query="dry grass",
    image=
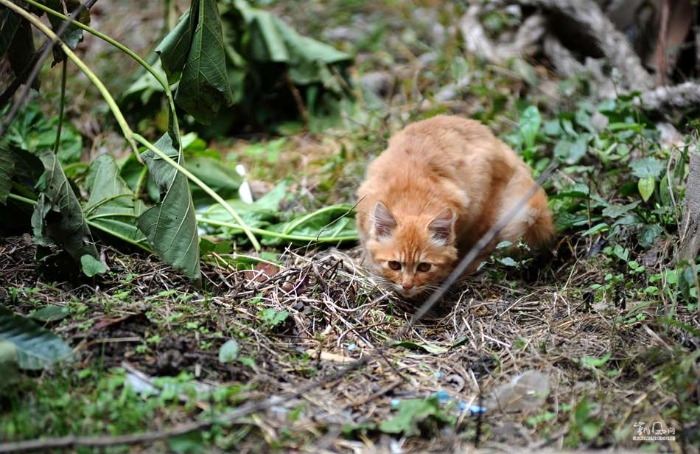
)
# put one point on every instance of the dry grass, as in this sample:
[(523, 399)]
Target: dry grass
[(481, 336)]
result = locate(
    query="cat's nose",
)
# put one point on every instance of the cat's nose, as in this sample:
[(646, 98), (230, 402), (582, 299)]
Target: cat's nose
[(407, 286)]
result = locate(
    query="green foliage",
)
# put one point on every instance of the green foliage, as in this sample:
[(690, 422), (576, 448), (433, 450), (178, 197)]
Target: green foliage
[(265, 60), (112, 206), (585, 425), (58, 217), (35, 346), (229, 351), (193, 56), (33, 132), (8, 364), (412, 414), (331, 224), (170, 225)]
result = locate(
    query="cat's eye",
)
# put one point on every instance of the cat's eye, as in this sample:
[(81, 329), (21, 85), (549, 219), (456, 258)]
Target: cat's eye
[(423, 267), (394, 265)]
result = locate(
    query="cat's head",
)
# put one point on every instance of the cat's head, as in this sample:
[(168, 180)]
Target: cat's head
[(413, 254)]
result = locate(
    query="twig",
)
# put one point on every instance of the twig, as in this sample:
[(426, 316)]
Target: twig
[(37, 63), (297, 99)]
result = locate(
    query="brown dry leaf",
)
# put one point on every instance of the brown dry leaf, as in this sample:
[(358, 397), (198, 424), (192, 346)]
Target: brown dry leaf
[(262, 272)]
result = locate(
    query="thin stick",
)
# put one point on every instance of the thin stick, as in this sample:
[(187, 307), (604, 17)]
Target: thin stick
[(37, 62), (475, 251)]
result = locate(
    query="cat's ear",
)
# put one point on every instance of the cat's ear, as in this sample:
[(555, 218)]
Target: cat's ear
[(384, 221), (442, 227)]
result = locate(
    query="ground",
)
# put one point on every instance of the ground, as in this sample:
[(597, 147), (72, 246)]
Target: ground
[(308, 355)]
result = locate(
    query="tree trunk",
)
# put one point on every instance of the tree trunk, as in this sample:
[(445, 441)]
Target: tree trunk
[(690, 227)]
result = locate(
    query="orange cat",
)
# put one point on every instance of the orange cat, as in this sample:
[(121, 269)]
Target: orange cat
[(432, 194)]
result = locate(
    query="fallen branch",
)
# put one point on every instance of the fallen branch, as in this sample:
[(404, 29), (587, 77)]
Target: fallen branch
[(664, 99), (478, 43), (612, 43)]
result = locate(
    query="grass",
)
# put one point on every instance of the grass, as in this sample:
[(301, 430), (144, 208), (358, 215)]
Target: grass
[(604, 317)]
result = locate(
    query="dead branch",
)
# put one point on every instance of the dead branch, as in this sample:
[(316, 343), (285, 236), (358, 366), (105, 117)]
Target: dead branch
[(478, 43), (665, 99), (612, 43)]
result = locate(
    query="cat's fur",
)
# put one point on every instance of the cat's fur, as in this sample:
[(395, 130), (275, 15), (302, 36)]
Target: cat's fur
[(440, 185)]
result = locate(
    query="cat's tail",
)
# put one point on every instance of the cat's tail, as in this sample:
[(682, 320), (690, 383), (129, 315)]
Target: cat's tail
[(540, 232)]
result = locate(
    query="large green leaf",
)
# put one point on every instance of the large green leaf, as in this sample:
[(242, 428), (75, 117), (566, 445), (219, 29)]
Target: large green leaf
[(111, 206), (219, 176), (259, 214), (58, 218), (170, 225), (204, 85), (332, 224), (175, 47), (7, 171), (254, 54), (271, 40), (36, 347)]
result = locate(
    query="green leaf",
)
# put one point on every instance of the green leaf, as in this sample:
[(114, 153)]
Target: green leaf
[(273, 317), (33, 132), (8, 364), (229, 351), (508, 261), (646, 187), (111, 206), (592, 362), (204, 85), (7, 171), (50, 313), (175, 47), (187, 443), (327, 225), (530, 122), (216, 174), (36, 347), (647, 167), (570, 151), (91, 266), (170, 225), (411, 413), (58, 218), (428, 348), (615, 211)]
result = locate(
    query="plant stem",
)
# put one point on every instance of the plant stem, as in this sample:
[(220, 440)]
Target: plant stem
[(241, 224), (19, 198), (162, 80), (36, 22), (61, 106), (282, 236)]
